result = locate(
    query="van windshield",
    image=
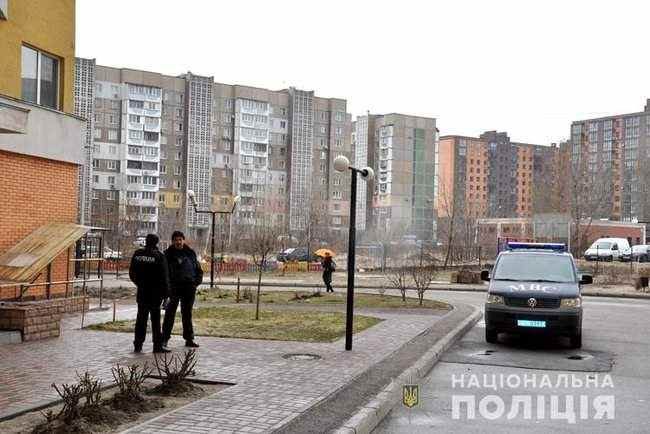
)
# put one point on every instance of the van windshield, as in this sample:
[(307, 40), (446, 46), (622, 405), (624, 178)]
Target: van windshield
[(603, 245), (531, 267)]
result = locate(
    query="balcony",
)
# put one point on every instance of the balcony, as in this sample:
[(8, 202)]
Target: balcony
[(31, 129), (151, 158), (135, 111), (153, 128), (152, 113)]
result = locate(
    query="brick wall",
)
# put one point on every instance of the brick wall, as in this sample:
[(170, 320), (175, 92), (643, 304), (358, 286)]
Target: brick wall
[(35, 191)]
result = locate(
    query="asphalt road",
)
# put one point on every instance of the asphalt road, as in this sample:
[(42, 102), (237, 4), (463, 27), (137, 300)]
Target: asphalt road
[(615, 356)]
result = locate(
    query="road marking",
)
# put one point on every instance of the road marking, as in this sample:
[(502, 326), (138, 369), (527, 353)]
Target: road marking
[(610, 303)]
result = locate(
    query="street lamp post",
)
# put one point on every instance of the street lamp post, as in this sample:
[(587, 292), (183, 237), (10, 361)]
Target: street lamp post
[(341, 164), (192, 197)]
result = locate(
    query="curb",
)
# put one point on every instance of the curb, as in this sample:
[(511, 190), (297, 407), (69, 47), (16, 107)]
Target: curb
[(373, 412)]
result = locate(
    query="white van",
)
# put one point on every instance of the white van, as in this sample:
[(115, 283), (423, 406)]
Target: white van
[(607, 249)]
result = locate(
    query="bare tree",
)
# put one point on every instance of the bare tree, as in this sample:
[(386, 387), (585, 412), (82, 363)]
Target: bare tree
[(260, 240), (399, 278), (449, 212), (422, 276)]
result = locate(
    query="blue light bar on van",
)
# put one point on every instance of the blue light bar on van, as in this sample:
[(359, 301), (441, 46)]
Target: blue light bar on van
[(556, 247)]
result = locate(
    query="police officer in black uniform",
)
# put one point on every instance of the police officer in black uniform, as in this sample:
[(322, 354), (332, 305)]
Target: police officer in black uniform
[(149, 272), (185, 275)]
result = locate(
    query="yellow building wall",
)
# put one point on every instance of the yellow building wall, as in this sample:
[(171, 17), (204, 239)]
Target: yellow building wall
[(170, 199), (48, 25)]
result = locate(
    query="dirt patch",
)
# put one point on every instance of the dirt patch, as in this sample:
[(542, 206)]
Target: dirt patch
[(114, 415)]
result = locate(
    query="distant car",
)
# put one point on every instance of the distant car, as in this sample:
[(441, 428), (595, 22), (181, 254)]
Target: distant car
[(112, 254), (640, 253), (139, 242), (606, 249), (299, 254)]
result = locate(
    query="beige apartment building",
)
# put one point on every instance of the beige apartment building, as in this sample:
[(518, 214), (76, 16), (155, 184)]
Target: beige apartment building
[(155, 136)]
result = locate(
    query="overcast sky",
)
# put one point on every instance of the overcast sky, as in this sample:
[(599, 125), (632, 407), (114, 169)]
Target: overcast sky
[(525, 67)]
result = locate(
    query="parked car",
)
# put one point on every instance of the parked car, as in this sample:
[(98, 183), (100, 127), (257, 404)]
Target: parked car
[(296, 254), (535, 290), (606, 249), (640, 253), (112, 254)]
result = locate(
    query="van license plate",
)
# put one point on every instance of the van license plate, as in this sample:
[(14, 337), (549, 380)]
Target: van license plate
[(529, 323)]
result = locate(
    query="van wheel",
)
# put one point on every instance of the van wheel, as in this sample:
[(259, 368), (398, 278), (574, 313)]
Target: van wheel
[(491, 336), (575, 341)]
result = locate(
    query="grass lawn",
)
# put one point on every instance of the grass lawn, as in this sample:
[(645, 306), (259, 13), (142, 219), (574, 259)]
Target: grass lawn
[(360, 300), (284, 325)]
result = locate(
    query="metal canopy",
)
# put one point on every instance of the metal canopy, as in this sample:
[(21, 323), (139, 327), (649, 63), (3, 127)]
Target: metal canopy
[(32, 254)]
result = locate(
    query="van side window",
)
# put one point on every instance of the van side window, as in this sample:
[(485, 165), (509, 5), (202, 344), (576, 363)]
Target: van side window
[(614, 247)]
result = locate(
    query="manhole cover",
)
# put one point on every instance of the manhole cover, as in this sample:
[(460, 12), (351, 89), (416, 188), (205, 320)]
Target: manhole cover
[(580, 357), (484, 353), (302, 356)]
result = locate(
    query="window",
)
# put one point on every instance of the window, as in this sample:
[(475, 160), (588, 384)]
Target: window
[(336, 220), (110, 195), (150, 180), (131, 194), (112, 119), (179, 141), (177, 184), (283, 124), (97, 148), (161, 198), (111, 164), (40, 78), (95, 179), (112, 134), (179, 155), (98, 133), (177, 170), (148, 195), (135, 135), (131, 179), (111, 180), (179, 127), (336, 195), (323, 155), (95, 164), (115, 105)]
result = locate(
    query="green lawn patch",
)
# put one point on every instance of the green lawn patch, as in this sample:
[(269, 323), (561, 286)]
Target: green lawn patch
[(283, 325)]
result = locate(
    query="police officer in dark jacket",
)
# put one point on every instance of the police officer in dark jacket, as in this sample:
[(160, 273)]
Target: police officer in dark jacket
[(149, 272), (185, 275)]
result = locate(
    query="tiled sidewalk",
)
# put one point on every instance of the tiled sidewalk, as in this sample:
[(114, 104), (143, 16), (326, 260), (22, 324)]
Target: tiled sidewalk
[(269, 390)]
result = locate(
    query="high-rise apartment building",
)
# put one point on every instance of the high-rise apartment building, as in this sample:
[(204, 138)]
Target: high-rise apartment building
[(402, 151), (614, 151), (155, 137), (489, 175)]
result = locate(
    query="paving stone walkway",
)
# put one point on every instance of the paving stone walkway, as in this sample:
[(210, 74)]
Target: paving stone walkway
[(269, 390)]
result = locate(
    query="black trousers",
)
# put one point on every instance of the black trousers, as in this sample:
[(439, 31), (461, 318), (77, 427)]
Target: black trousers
[(145, 310), (327, 278), (186, 299)]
